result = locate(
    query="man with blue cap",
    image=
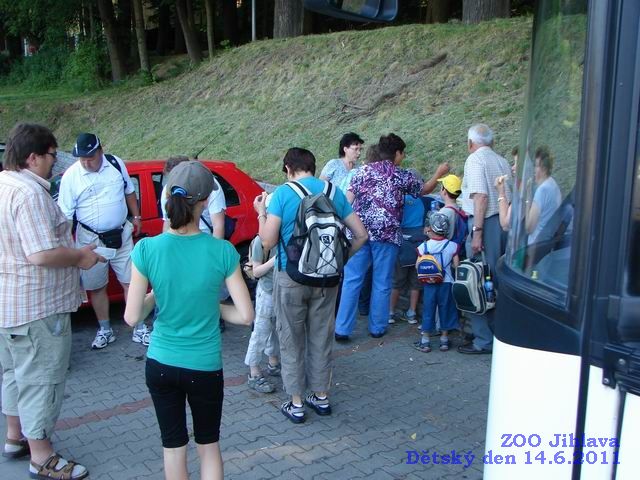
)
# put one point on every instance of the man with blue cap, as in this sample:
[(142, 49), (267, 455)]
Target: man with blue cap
[(98, 194)]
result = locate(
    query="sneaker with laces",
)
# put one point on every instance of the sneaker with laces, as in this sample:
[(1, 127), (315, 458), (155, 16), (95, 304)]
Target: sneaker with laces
[(320, 405), (293, 412), (260, 384), (273, 370), (141, 335), (103, 338)]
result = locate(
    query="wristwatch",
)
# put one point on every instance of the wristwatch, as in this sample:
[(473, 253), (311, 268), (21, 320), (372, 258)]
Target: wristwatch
[(476, 229), (137, 217)]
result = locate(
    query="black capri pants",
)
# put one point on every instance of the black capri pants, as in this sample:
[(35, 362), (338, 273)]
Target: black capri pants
[(170, 387)]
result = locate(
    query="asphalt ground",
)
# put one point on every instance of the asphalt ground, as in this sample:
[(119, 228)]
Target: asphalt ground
[(393, 408)]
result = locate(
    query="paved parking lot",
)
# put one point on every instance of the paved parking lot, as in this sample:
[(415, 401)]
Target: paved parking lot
[(387, 398)]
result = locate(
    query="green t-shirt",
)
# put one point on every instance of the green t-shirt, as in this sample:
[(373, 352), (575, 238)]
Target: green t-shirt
[(186, 273)]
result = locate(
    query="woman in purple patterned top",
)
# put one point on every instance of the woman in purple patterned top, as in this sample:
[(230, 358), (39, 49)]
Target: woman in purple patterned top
[(377, 191)]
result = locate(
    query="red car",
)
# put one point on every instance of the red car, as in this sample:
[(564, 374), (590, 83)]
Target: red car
[(239, 191)]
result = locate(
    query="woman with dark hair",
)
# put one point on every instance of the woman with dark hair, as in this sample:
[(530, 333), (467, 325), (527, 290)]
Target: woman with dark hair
[(348, 154), (377, 192), (187, 268)]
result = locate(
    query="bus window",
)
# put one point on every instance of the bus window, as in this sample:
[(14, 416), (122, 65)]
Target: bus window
[(539, 245)]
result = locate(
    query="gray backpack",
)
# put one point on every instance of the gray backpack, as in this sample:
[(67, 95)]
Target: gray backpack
[(318, 247)]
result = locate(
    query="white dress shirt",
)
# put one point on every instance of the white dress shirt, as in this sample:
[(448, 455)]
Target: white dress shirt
[(97, 198)]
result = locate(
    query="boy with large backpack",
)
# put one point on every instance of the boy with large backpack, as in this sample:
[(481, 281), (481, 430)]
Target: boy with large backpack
[(436, 257), (304, 305), (458, 220)]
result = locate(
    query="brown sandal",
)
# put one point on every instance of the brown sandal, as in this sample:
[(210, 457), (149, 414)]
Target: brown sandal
[(20, 452), (49, 471)]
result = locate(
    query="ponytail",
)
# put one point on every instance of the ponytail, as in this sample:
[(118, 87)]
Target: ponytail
[(179, 211)]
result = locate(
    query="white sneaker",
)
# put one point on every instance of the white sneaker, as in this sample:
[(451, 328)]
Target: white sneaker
[(103, 338), (141, 335)]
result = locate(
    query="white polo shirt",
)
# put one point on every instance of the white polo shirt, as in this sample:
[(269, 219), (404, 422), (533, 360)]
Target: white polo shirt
[(216, 204), (97, 198)]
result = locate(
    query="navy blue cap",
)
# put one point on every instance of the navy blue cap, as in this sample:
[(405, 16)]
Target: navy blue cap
[(86, 145)]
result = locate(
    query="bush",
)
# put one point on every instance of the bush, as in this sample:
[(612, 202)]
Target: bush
[(44, 69), (87, 67)]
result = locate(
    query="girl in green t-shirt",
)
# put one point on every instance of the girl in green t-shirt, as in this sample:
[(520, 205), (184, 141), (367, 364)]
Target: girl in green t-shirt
[(186, 269)]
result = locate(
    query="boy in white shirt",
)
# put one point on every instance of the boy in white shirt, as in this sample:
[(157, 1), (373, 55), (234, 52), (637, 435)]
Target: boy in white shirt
[(438, 294)]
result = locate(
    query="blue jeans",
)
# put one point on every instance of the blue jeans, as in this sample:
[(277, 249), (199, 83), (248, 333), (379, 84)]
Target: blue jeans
[(439, 296), (383, 257)]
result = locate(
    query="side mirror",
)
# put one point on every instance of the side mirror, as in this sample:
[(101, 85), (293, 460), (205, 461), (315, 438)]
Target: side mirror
[(356, 10)]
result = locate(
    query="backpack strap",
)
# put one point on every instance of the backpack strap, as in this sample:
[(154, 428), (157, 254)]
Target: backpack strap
[(460, 212), (329, 190), (297, 187), (112, 160), (206, 223)]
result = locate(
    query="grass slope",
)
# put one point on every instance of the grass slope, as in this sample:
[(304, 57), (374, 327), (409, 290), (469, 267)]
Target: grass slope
[(427, 83)]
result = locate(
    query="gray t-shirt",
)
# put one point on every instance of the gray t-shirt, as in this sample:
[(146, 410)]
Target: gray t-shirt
[(548, 198), (265, 282), (452, 216)]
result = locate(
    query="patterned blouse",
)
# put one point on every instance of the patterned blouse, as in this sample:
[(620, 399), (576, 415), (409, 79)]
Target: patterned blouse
[(379, 189)]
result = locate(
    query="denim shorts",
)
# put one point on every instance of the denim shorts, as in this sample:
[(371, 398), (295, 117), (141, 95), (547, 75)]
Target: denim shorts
[(169, 388)]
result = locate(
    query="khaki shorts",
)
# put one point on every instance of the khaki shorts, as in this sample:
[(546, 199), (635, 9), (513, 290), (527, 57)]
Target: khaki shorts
[(35, 359), (405, 277), (98, 275)]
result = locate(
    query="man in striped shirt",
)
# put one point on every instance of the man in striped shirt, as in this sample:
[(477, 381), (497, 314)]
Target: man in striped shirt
[(480, 203), (39, 287)]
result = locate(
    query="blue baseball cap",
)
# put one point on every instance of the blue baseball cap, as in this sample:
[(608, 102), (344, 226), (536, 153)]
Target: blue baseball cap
[(86, 145)]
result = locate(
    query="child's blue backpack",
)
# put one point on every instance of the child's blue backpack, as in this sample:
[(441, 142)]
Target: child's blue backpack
[(461, 230), (431, 270)]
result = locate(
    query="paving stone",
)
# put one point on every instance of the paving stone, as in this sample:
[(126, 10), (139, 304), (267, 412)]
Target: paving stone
[(386, 399)]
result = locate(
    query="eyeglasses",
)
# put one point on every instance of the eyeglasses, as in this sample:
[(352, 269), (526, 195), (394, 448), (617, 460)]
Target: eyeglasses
[(53, 154)]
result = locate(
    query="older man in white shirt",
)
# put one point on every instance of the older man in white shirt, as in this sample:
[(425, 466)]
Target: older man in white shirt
[(480, 203), (98, 193)]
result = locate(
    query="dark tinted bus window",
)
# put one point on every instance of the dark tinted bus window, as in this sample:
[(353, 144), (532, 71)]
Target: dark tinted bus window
[(543, 201), (633, 267)]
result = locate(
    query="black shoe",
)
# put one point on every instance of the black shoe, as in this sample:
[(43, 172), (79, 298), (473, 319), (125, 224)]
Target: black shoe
[(341, 338), (378, 335), (293, 413), (471, 350)]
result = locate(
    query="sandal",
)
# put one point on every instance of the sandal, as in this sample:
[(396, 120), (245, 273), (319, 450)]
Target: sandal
[(67, 470), (17, 448), (422, 347), (444, 346)]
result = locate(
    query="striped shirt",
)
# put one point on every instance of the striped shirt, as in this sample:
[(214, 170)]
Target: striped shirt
[(31, 222), (480, 172)]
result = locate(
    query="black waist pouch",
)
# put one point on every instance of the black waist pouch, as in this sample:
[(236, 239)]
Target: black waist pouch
[(112, 238)]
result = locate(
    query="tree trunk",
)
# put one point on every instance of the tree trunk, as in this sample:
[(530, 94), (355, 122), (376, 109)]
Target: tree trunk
[(188, 28), (124, 16), (288, 18), (108, 23), (164, 29), (230, 21), (141, 36), (476, 11), (210, 12), (438, 11)]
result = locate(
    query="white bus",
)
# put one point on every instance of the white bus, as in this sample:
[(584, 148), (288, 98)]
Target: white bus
[(565, 379)]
